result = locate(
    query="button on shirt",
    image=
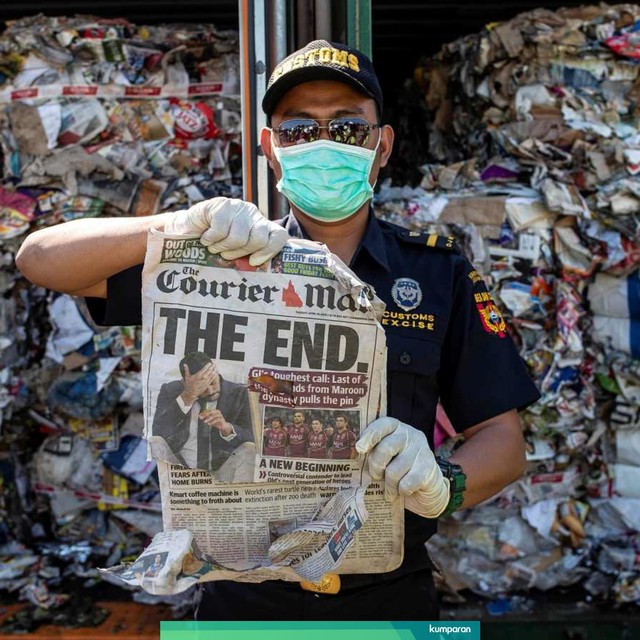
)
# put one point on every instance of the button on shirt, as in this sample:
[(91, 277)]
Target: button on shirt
[(446, 340)]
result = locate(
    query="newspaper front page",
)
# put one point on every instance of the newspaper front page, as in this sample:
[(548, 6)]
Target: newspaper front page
[(257, 384)]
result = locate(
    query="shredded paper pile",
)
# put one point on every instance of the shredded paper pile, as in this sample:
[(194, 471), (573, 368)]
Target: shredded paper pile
[(533, 164), (97, 117)]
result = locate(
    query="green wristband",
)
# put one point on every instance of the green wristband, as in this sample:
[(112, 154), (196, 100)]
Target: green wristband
[(457, 484)]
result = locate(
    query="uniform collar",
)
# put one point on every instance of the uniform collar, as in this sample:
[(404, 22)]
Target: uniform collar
[(293, 227), (372, 245)]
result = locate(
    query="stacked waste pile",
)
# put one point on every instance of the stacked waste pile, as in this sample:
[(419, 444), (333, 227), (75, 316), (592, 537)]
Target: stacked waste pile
[(97, 117), (534, 165)]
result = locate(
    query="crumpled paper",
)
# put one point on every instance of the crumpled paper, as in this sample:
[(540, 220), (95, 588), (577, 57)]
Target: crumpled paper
[(532, 161), (97, 117)]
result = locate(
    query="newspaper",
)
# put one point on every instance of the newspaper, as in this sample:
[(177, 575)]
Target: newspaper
[(257, 384)]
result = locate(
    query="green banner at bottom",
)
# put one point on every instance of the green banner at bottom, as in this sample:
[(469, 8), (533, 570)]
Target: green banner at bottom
[(420, 630)]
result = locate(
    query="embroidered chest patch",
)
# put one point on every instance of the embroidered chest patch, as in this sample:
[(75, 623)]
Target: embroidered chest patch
[(406, 293)]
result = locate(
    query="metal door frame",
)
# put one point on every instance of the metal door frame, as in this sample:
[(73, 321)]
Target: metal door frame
[(269, 30)]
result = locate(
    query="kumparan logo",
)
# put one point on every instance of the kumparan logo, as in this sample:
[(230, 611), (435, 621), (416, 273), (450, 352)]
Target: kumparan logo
[(449, 630)]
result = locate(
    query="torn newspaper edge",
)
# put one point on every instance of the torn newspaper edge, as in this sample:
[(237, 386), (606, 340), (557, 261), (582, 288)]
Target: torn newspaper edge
[(257, 383), (173, 561)]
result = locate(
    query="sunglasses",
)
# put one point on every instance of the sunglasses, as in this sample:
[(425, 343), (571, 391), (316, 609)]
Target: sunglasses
[(352, 131)]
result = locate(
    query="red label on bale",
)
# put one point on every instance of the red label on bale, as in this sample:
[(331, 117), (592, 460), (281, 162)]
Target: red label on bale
[(79, 90), (142, 91), (19, 94), (211, 87)]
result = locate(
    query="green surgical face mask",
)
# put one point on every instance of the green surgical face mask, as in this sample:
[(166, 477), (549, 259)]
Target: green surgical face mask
[(326, 180)]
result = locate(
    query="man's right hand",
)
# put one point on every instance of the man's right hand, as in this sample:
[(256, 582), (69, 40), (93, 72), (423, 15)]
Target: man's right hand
[(233, 228), (215, 419), (197, 384)]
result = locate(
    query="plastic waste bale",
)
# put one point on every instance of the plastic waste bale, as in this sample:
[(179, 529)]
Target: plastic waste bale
[(525, 149), (97, 117)]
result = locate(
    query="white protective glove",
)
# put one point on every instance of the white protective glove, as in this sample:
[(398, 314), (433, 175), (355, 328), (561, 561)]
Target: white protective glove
[(231, 227), (401, 455)]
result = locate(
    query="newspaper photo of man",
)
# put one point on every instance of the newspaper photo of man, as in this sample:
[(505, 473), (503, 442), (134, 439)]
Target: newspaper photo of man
[(318, 440), (275, 439), (205, 421), (344, 439), (298, 433)]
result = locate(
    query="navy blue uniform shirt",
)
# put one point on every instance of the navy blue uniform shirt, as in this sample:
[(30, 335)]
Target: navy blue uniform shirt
[(446, 339)]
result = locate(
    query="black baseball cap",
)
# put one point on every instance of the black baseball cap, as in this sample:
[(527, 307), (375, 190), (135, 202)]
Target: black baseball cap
[(323, 60)]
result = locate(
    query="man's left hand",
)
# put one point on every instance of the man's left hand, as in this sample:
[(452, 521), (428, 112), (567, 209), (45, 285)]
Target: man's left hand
[(231, 227), (402, 456)]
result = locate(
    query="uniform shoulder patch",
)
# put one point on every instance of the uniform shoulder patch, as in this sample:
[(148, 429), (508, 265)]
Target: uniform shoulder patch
[(433, 240)]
